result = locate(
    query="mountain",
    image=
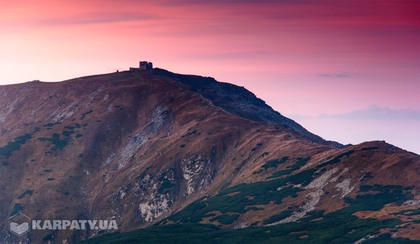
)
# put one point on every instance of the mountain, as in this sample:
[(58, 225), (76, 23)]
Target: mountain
[(183, 158)]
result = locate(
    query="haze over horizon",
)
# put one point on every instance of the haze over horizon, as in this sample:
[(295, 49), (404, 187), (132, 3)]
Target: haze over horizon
[(304, 58)]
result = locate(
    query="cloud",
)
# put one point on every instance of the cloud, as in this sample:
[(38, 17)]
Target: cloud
[(378, 113), (399, 127), (371, 113), (99, 18), (336, 75)]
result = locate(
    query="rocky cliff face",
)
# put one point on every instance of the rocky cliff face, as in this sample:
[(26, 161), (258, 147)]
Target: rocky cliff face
[(143, 147)]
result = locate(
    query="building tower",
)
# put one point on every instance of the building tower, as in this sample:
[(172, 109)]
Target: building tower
[(144, 65)]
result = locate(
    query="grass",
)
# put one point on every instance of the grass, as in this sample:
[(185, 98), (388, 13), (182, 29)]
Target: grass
[(242, 198), (340, 226)]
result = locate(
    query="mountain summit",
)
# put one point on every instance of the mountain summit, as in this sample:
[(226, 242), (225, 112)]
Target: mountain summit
[(194, 160)]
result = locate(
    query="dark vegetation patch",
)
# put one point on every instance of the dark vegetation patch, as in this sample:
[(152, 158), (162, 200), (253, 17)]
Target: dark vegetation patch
[(51, 125), (256, 147), (336, 159), (190, 133), (14, 145), (165, 184), (299, 163), (57, 142), (241, 198), (341, 226), (83, 116), (387, 238), (48, 237), (271, 164), (25, 193), (382, 194), (410, 212), (274, 163), (368, 175), (286, 213), (226, 219), (16, 209), (61, 141), (369, 148)]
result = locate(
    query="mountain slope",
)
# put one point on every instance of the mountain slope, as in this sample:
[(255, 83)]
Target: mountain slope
[(239, 101), (144, 148)]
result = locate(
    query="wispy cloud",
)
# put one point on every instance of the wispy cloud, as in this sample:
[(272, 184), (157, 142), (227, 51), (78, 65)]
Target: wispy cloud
[(336, 75), (399, 127), (379, 113), (100, 17), (371, 113)]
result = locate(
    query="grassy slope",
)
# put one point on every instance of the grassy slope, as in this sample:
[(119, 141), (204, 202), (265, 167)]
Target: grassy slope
[(340, 226)]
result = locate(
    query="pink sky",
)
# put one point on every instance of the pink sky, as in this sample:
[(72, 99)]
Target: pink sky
[(303, 57)]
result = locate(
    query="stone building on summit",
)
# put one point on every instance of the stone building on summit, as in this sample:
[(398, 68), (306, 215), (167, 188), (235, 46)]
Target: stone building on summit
[(145, 65)]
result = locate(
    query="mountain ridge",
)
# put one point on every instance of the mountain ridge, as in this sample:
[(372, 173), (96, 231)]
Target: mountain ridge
[(142, 147), (260, 110)]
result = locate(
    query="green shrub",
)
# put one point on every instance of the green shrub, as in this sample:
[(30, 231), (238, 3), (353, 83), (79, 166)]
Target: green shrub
[(286, 213), (225, 219), (341, 226), (83, 116), (16, 209), (14, 145), (274, 163), (299, 163), (336, 159), (369, 148), (56, 141), (27, 192)]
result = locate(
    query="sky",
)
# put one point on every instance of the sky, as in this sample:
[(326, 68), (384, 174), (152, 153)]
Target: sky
[(346, 70)]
